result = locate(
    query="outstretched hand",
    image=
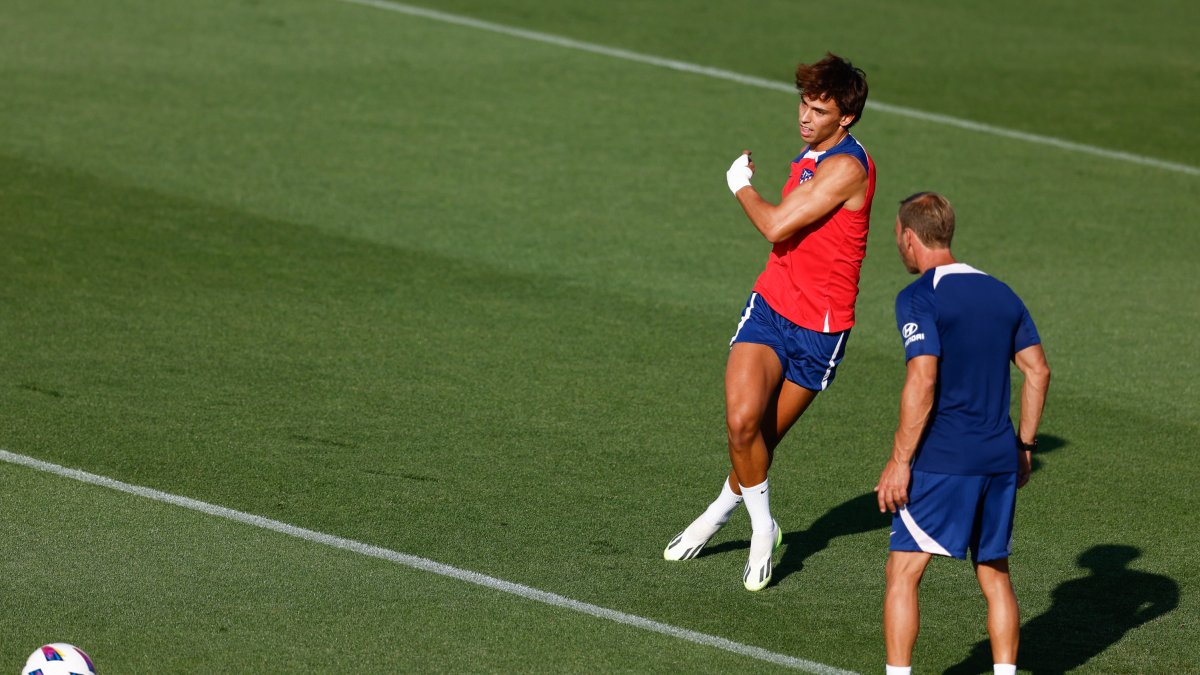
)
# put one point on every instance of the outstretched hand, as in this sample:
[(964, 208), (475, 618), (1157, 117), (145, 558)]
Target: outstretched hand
[(892, 489)]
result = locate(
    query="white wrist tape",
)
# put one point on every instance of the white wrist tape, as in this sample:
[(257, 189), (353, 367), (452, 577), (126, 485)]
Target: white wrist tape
[(739, 173)]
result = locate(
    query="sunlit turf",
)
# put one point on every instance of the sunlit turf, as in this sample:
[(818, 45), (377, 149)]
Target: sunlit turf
[(468, 297)]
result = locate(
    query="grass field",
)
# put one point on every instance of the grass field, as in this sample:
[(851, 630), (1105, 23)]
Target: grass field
[(465, 295)]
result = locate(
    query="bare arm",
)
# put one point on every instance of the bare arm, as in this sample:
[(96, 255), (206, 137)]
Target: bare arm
[(1031, 361), (916, 402), (839, 179)]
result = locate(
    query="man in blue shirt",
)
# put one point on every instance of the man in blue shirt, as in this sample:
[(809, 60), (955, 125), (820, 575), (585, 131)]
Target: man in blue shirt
[(956, 461)]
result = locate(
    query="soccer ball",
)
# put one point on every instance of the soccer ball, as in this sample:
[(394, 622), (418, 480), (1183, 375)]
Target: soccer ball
[(58, 658)]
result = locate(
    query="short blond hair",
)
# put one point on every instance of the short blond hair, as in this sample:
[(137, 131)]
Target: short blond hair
[(930, 216)]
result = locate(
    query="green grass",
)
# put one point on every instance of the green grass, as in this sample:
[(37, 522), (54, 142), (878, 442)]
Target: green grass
[(1110, 74), (467, 297), (210, 595)]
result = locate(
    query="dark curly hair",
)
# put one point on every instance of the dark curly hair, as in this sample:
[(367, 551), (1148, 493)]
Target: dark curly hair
[(835, 78)]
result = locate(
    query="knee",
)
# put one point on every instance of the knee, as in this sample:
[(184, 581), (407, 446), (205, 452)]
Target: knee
[(993, 576), (743, 429), (905, 572), (997, 588), (903, 581)]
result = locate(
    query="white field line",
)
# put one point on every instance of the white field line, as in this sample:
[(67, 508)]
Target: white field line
[(427, 565), (771, 84)]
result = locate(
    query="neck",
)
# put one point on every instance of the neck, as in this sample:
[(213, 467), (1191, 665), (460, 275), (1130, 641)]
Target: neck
[(833, 140), (934, 257)]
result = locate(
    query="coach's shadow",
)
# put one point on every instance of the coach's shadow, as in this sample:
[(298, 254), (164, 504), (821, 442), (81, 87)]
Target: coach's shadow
[(855, 516), (1088, 614)]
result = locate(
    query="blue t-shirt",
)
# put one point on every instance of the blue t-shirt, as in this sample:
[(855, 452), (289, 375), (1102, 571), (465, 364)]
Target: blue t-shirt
[(974, 324)]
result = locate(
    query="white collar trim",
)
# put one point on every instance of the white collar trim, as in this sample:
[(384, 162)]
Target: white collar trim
[(953, 268)]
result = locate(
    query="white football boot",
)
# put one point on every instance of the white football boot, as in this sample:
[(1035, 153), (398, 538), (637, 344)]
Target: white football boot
[(762, 549), (687, 544)]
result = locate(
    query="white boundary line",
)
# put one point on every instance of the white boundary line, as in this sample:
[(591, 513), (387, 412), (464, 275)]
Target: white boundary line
[(773, 85), (427, 565)]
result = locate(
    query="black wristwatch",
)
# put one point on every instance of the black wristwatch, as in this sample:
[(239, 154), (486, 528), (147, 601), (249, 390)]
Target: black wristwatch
[(1027, 447)]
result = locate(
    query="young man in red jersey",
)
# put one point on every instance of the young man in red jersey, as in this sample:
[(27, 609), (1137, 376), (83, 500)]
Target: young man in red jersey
[(793, 331)]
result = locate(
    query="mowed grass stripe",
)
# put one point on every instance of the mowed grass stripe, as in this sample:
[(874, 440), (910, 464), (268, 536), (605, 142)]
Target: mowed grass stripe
[(423, 564), (752, 81), (327, 366)]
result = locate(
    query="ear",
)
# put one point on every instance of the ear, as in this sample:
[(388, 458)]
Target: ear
[(846, 121)]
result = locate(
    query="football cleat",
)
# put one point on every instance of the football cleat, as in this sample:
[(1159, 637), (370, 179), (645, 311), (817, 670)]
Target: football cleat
[(687, 544), (758, 568)]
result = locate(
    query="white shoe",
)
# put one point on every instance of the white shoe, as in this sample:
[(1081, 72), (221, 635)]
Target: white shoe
[(687, 544), (762, 549)]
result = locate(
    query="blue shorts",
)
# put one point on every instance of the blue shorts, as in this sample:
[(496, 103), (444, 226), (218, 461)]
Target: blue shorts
[(946, 514), (809, 358)]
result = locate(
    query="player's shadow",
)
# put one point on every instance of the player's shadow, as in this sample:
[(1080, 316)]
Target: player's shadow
[(1088, 615), (854, 516)]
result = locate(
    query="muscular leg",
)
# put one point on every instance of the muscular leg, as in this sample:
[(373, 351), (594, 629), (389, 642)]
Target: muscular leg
[(789, 404), (760, 408), (901, 608), (752, 376), (1004, 616), (784, 407)]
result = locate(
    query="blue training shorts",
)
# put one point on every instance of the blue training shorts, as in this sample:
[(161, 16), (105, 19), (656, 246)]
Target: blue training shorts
[(809, 358), (946, 514)]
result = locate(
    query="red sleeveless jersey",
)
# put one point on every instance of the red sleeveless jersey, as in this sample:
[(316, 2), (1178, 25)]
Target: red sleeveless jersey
[(812, 277)]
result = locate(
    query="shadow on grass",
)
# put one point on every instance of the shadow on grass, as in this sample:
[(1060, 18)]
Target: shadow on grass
[(1088, 615), (1046, 445), (853, 516)]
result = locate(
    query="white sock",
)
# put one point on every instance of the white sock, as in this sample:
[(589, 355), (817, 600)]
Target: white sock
[(899, 670), (719, 511), (715, 516), (1004, 669), (758, 504)]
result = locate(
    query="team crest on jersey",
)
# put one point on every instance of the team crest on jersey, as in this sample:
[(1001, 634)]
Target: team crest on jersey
[(806, 174)]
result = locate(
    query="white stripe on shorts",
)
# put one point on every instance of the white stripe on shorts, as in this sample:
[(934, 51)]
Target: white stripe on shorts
[(923, 540), (745, 316), (832, 361)]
